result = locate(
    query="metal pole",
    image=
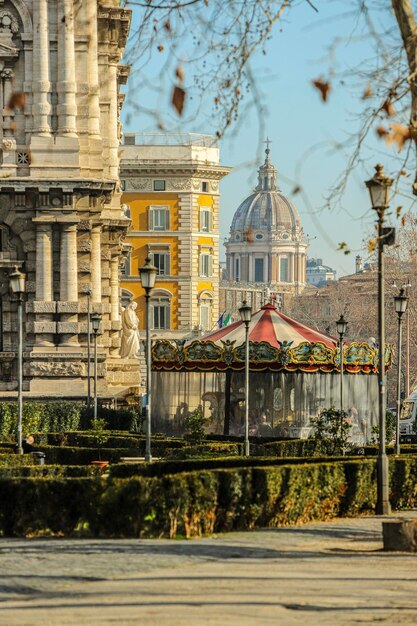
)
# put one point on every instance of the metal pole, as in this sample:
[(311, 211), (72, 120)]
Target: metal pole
[(246, 388), (397, 420), (20, 373), (341, 376), (95, 375), (88, 348), (383, 505), (148, 453), (407, 353)]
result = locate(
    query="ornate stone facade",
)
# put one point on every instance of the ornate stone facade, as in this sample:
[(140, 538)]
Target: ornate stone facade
[(61, 220)]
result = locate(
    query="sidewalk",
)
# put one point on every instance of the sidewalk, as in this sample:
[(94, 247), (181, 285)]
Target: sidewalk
[(329, 573)]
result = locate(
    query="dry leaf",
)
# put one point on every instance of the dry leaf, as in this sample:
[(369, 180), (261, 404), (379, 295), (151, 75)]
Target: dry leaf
[(167, 26), (160, 48), (296, 190), (249, 235), (323, 87), (381, 131), (179, 72), (178, 98), (17, 101), (398, 210), (399, 135), (371, 245), (403, 220), (367, 93), (389, 108)]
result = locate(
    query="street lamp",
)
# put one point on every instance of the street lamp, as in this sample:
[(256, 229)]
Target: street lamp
[(341, 326), (379, 190), (95, 321), (17, 283), (147, 277), (401, 302), (245, 315), (88, 292)]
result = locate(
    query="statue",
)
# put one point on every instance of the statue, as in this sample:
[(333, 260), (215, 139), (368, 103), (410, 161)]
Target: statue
[(130, 333)]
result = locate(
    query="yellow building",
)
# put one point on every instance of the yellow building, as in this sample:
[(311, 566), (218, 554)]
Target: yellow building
[(171, 189)]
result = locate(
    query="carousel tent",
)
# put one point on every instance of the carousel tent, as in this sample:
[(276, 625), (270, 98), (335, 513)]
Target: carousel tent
[(294, 373)]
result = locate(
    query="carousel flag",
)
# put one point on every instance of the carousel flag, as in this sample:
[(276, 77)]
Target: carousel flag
[(220, 320), (227, 319)]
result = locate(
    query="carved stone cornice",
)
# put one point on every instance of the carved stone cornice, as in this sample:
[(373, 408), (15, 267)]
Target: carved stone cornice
[(157, 169)]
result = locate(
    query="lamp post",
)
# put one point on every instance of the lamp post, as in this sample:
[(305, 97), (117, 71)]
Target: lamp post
[(17, 283), (379, 189), (246, 314), (341, 326), (147, 277), (401, 302), (95, 320), (88, 292)]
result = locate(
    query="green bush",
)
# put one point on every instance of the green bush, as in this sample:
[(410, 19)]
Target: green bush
[(193, 503)]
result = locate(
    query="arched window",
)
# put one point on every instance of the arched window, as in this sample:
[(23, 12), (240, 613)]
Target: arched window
[(205, 308), (161, 309)]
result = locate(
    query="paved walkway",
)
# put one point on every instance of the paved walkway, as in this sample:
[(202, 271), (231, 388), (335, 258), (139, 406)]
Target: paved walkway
[(328, 574)]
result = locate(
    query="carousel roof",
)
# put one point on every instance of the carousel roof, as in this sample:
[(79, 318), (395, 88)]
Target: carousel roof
[(272, 326)]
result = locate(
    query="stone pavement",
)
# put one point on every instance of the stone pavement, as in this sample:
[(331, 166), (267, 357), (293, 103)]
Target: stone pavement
[(328, 574)]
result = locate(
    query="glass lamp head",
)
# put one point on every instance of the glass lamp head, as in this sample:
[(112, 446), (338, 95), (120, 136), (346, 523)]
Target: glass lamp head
[(148, 274), (17, 282), (95, 321), (341, 325), (379, 188), (401, 302), (245, 312)]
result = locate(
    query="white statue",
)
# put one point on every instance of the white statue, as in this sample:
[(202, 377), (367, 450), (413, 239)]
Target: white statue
[(130, 333)]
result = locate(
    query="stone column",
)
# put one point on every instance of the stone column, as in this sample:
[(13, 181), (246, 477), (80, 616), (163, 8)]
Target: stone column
[(113, 135), (67, 108), (7, 76), (95, 263), (44, 307), (114, 289), (68, 286), (44, 262), (92, 68), (41, 85)]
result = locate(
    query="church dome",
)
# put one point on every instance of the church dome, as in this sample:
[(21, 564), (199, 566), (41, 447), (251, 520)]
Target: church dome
[(267, 208)]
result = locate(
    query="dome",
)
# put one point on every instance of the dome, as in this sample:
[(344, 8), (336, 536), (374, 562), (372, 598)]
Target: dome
[(266, 209)]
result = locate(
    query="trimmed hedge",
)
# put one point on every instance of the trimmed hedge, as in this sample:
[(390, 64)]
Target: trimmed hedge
[(195, 503), (49, 471)]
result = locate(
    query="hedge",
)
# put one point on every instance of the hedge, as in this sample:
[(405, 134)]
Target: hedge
[(194, 503), (63, 415), (49, 471)]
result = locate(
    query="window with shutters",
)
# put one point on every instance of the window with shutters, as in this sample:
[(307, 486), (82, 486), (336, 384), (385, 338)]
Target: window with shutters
[(125, 269), (206, 264), (205, 220), (161, 260), (158, 218), (160, 310)]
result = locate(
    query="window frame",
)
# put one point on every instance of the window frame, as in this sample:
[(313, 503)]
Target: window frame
[(155, 209), (206, 257), (159, 180), (206, 215)]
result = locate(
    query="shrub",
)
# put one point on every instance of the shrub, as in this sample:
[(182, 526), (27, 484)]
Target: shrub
[(194, 423), (331, 432), (197, 502)]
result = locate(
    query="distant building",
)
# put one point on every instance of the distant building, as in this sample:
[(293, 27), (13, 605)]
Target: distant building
[(318, 274), (171, 189), (266, 246)]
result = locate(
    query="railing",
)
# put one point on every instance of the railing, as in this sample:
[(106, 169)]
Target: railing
[(168, 139)]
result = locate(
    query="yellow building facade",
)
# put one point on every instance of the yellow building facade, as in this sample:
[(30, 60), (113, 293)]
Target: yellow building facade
[(171, 194)]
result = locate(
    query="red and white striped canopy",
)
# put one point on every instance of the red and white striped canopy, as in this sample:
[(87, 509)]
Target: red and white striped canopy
[(270, 325)]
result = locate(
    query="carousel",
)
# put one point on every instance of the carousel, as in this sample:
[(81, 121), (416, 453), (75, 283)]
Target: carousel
[(294, 372)]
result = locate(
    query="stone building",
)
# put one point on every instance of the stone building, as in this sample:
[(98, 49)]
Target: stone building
[(171, 186), (60, 216), (266, 243)]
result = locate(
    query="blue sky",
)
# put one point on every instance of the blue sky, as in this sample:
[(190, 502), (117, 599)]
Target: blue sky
[(303, 130)]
